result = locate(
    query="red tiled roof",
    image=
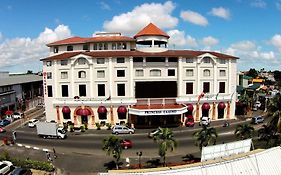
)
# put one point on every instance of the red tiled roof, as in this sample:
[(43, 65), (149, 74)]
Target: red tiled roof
[(169, 53), (77, 40), (159, 106), (151, 30)]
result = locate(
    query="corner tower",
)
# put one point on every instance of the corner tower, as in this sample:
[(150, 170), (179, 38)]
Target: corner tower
[(151, 39)]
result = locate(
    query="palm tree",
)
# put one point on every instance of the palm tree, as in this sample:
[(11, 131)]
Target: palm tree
[(112, 146), (205, 136), (244, 131), (245, 100), (266, 133), (166, 141), (274, 112)]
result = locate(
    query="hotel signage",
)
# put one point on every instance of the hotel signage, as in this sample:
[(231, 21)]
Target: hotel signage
[(157, 111)]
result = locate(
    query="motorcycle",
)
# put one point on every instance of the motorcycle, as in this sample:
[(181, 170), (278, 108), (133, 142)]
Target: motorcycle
[(226, 124)]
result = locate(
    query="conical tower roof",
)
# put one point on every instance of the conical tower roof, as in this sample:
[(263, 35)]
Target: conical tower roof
[(151, 30)]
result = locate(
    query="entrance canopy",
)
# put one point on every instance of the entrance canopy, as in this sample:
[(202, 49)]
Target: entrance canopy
[(148, 110)]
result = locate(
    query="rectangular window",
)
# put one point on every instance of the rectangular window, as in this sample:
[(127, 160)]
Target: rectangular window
[(189, 72), (222, 87), (189, 88), (82, 90), (100, 61), (64, 75), (63, 62), (100, 46), (171, 72), (207, 73), (139, 73), (85, 46), (69, 48), (124, 46), (222, 73), (173, 59), (95, 47), (101, 90), (100, 74), (222, 61), (120, 73), (189, 60), (50, 91), (120, 89), (49, 63), (155, 73), (56, 49), (120, 60), (137, 59), (64, 90), (105, 46), (49, 75), (206, 87)]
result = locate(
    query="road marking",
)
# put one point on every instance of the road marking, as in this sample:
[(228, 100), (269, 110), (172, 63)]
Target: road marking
[(36, 148), (46, 150), (27, 146), (19, 144)]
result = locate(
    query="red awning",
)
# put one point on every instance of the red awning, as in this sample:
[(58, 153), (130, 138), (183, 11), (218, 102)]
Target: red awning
[(65, 109), (122, 109), (221, 105), (206, 106), (84, 112), (8, 112), (102, 110), (189, 107)]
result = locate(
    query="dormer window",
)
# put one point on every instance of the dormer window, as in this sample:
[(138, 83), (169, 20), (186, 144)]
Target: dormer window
[(63, 62), (56, 49), (69, 48), (82, 61)]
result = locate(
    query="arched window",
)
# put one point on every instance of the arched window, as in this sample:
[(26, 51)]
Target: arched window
[(207, 60), (82, 61), (155, 73), (81, 74), (207, 73)]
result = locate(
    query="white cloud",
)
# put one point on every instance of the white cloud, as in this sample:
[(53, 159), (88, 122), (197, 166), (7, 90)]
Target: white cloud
[(244, 46), (220, 12), (276, 41), (25, 51), (258, 3), (194, 18), (132, 22), (178, 38), (209, 41), (104, 6)]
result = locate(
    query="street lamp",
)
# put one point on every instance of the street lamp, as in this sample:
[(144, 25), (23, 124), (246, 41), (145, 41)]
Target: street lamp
[(139, 154)]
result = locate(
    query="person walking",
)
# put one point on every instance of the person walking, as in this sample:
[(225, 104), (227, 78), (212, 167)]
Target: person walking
[(48, 155), (55, 155), (14, 134)]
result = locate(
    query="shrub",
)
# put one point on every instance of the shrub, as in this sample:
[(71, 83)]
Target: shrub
[(71, 128), (98, 125), (108, 125), (82, 128)]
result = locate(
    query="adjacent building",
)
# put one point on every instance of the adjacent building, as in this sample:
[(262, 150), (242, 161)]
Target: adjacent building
[(110, 78)]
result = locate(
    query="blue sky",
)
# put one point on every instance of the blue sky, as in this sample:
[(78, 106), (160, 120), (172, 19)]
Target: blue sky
[(249, 29)]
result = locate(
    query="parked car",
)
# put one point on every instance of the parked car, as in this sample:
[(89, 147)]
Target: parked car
[(126, 143), (189, 122), (120, 129), (257, 119), (5, 167), (32, 123), (205, 121), (21, 171), (258, 104), (152, 133), (17, 115), (4, 122), (2, 130)]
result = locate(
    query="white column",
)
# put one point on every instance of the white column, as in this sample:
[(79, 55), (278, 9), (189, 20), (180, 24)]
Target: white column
[(180, 72), (72, 78), (56, 86), (110, 74), (91, 81), (215, 82), (229, 77), (131, 78), (198, 79)]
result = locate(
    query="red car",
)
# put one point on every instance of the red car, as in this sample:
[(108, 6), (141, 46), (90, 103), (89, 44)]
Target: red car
[(189, 122), (2, 130), (125, 143)]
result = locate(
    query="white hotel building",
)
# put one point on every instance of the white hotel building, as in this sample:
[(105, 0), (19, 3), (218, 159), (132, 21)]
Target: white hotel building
[(115, 79)]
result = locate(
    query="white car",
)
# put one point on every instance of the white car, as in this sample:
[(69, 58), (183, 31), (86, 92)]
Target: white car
[(17, 115), (5, 167), (32, 123), (120, 129)]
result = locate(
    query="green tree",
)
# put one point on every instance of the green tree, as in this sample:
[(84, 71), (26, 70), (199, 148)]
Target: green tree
[(205, 137), (274, 112), (245, 100), (112, 146), (244, 131), (166, 141), (252, 73), (266, 133)]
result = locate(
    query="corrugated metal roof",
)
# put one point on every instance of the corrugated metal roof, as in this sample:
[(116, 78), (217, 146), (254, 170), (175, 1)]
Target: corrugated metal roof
[(266, 162), (20, 79)]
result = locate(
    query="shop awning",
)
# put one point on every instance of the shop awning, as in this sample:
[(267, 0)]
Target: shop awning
[(122, 110), (205, 106), (102, 110), (65, 109)]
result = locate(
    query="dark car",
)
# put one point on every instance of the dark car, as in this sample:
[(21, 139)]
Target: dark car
[(4, 122), (126, 143), (21, 171)]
